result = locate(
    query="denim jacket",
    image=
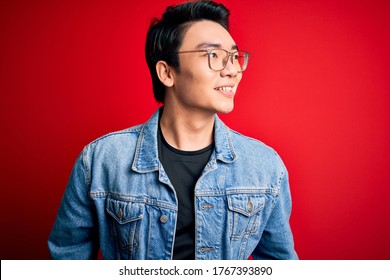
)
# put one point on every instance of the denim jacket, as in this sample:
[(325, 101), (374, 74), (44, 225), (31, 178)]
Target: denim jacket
[(119, 199)]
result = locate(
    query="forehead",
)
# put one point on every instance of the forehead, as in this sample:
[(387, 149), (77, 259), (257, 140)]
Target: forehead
[(207, 33)]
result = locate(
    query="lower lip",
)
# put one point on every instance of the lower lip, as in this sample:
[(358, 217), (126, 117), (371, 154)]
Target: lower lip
[(226, 93)]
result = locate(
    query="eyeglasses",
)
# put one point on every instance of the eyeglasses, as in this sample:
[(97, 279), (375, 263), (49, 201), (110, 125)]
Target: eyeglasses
[(218, 59)]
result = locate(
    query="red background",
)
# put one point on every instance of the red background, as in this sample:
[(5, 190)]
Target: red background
[(317, 90)]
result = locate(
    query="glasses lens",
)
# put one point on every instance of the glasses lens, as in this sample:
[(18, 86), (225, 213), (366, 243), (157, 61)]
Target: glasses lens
[(240, 60), (218, 59)]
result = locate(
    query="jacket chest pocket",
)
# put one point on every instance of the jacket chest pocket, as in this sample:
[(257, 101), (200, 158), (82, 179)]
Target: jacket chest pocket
[(244, 214), (126, 220)]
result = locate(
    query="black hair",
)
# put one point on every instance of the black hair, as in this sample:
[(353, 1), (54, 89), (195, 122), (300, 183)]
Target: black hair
[(165, 35)]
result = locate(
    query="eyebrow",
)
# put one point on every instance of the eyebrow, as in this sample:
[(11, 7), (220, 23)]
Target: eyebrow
[(213, 45)]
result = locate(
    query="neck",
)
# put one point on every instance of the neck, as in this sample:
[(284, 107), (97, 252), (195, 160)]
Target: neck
[(187, 130)]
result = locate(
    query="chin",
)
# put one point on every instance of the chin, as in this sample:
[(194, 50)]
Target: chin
[(225, 109)]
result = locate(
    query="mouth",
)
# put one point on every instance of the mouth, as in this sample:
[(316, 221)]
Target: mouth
[(226, 90)]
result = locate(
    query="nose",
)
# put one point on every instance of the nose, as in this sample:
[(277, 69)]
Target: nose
[(230, 69)]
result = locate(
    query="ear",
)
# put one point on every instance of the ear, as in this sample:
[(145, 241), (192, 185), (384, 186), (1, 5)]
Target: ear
[(165, 73)]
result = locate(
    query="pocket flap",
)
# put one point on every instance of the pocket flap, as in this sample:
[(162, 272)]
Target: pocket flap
[(247, 205), (124, 211)]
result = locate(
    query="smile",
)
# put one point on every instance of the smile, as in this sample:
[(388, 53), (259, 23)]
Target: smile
[(225, 89)]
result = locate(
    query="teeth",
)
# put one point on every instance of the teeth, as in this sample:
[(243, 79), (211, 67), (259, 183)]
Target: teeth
[(225, 88)]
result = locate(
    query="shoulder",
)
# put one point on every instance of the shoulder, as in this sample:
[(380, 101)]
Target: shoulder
[(242, 141), (117, 141), (120, 134), (254, 150)]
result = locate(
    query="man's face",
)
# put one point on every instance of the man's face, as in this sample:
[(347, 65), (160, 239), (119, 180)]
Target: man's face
[(196, 86)]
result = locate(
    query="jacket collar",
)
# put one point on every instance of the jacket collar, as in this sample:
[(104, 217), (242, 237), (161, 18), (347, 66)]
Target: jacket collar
[(146, 153)]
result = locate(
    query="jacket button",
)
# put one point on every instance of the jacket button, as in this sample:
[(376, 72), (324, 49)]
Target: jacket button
[(163, 219), (249, 206), (120, 213)]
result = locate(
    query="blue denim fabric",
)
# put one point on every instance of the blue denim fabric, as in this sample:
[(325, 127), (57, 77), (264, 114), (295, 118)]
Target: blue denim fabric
[(120, 199)]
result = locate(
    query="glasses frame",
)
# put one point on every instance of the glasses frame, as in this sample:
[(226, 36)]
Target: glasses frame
[(229, 56)]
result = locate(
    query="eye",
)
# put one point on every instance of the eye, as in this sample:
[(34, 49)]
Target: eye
[(213, 54), (237, 56)]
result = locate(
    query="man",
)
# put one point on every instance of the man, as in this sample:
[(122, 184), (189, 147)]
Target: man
[(182, 185)]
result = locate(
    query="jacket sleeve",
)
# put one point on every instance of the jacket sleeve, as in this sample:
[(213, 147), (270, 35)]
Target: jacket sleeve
[(74, 234), (277, 239)]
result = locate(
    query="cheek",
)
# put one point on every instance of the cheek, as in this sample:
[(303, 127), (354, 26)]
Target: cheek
[(238, 78), (197, 79)]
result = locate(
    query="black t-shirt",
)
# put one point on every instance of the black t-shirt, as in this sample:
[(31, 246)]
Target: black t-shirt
[(183, 169)]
